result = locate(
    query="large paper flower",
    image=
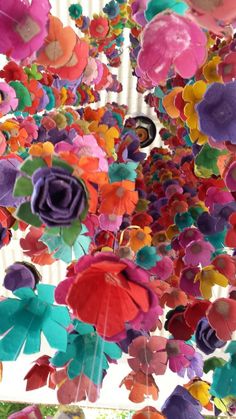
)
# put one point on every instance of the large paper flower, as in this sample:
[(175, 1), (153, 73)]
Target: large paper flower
[(108, 292), (149, 355), (24, 25), (217, 112), (198, 251), (181, 405), (169, 40), (206, 338), (222, 317)]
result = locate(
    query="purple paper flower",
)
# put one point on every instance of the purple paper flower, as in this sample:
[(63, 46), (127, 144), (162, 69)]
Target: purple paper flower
[(19, 275), (217, 112), (58, 197), (181, 405), (206, 338), (8, 174), (195, 367)]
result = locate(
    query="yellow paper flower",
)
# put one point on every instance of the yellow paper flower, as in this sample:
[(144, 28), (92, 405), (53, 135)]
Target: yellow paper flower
[(108, 134), (172, 231), (209, 277), (197, 136), (192, 94), (210, 71), (168, 103), (200, 391), (139, 238), (41, 149)]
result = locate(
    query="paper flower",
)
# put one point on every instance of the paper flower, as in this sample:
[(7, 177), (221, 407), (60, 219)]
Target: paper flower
[(181, 405), (138, 8), (104, 278), (99, 27), (9, 101), (200, 390), (140, 386), (198, 251), (195, 367), (139, 238), (110, 222), (118, 198), (230, 177), (153, 8), (147, 257), (40, 374), (26, 413), (206, 339), (189, 235), (227, 67), (148, 355), (222, 317), (216, 112), (149, 412), (25, 26), (192, 94), (76, 390), (84, 345), (187, 283), (209, 277), (186, 52), (122, 171), (9, 170), (20, 275), (178, 354), (27, 317), (225, 264), (210, 70)]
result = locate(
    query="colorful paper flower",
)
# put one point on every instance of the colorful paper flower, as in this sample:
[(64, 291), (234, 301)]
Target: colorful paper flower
[(221, 316), (181, 405), (140, 238), (118, 198), (19, 275), (209, 277), (99, 27), (206, 339), (147, 257), (8, 101), (148, 355), (140, 386), (178, 354), (198, 251), (40, 374)]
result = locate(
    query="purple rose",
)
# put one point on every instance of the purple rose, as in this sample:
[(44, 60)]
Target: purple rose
[(217, 112), (21, 274), (58, 197), (206, 339)]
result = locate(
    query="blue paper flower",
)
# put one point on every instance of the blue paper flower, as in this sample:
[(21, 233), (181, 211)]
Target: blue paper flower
[(147, 257), (24, 319), (86, 353), (112, 9), (122, 171)]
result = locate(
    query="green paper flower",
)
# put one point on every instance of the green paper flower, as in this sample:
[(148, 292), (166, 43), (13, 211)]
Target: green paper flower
[(147, 257), (86, 353), (75, 11), (22, 94), (25, 318), (32, 72), (206, 161)]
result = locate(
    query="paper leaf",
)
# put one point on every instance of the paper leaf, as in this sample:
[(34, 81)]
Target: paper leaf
[(25, 214), (212, 363), (32, 164), (61, 163), (70, 234), (23, 187)]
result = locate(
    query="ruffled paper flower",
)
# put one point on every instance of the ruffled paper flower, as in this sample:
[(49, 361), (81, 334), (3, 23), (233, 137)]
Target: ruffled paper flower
[(200, 390), (147, 257), (148, 355), (110, 222), (35, 249), (198, 251), (195, 367), (209, 277), (154, 8), (40, 374), (178, 354), (118, 198), (192, 94), (99, 27), (210, 70), (157, 57), (187, 283), (8, 102)]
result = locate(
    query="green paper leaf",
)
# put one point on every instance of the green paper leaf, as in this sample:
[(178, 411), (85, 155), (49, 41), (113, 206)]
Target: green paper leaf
[(60, 163), (23, 187), (71, 233), (25, 214), (212, 363), (32, 164)]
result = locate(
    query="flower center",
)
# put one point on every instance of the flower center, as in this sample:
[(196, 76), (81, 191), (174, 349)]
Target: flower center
[(53, 50), (223, 113), (120, 192), (99, 29), (196, 248), (221, 263), (140, 236), (227, 69), (27, 29), (145, 355), (172, 348), (112, 217), (189, 275), (222, 307)]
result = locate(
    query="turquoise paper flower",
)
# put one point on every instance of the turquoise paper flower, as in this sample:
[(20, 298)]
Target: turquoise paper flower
[(154, 7), (122, 171), (86, 353), (147, 257), (25, 318), (112, 9), (184, 220)]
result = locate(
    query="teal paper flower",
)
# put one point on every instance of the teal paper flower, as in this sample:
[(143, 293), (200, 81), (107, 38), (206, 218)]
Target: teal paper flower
[(184, 220), (75, 11), (24, 319), (122, 171), (86, 353), (224, 381), (154, 7), (112, 9), (147, 257)]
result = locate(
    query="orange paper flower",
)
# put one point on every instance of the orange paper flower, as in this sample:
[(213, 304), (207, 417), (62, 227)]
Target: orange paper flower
[(140, 386), (118, 198)]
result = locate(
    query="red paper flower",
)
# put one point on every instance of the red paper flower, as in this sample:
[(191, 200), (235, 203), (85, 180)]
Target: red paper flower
[(222, 317), (40, 374), (140, 386), (149, 355)]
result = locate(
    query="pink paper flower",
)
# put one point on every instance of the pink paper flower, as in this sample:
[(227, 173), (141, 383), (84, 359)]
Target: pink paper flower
[(24, 25), (138, 8), (90, 72), (217, 196), (198, 251), (188, 235), (8, 101), (179, 354), (171, 40), (110, 222), (163, 269), (187, 283), (227, 68), (88, 146), (149, 355)]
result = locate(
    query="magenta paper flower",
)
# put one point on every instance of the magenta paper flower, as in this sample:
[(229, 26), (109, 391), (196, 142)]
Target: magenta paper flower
[(149, 355), (171, 40), (230, 177), (188, 235), (187, 283), (9, 101), (217, 196), (163, 269), (110, 222), (179, 354), (138, 8), (227, 68), (198, 251), (23, 26)]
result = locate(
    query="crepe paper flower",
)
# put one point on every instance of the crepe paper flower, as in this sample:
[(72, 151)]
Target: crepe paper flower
[(40, 374), (69, 244), (181, 405), (75, 11), (27, 413), (147, 257), (177, 325), (27, 317), (209, 277), (187, 283), (227, 67), (58, 45), (9, 101), (185, 57), (173, 297), (196, 311), (148, 355), (198, 251), (200, 391), (226, 265), (21, 274), (178, 354), (35, 249), (110, 222), (183, 220), (84, 346), (90, 73), (99, 27), (193, 94), (153, 8), (36, 93), (140, 386), (8, 175), (206, 339), (216, 112), (188, 235), (122, 171), (25, 27), (76, 390), (221, 316), (139, 238), (118, 198), (12, 71), (148, 412), (210, 70)]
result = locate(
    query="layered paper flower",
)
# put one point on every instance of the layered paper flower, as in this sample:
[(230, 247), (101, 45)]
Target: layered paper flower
[(148, 355)]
